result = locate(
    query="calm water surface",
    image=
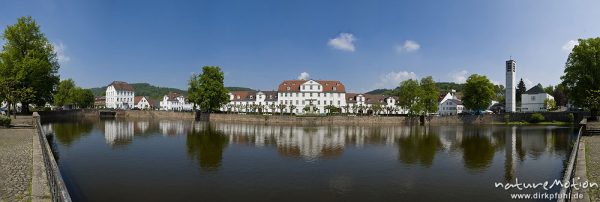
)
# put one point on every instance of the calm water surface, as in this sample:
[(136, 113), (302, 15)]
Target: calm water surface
[(119, 160)]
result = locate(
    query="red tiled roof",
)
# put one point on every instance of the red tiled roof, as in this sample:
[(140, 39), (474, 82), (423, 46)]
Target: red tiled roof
[(295, 85), (351, 97), (120, 85), (172, 96), (372, 99), (243, 95)]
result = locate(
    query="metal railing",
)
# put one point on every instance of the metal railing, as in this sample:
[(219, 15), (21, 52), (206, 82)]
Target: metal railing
[(570, 170), (55, 181)]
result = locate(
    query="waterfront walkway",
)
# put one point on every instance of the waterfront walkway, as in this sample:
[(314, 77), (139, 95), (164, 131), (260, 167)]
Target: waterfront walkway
[(592, 158), (22, 171)]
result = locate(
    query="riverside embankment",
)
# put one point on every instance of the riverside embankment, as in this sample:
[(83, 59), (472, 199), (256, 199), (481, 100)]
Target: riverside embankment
[(311, 120)]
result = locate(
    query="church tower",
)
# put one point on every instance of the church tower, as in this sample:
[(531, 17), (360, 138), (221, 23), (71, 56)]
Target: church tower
[(510, 86)]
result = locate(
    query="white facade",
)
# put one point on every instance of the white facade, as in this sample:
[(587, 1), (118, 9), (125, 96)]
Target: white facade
[(141, 102), (119, 95), (450, 104), (451, 107), (317, 93), (175, 102), (363, 104), (249, 101), (510, 93), (533, 100)]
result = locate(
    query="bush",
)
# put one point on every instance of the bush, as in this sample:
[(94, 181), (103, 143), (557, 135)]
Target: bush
[(571, 117), (5, 121), (536, 118), (507, 118)]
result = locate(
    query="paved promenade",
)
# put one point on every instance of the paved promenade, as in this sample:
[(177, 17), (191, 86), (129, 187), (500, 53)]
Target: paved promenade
[(592, 155), (18, 163)]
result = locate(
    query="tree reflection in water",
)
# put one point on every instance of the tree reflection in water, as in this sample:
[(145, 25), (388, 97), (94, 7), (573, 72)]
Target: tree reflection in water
[(68, 133), (420, 146), (478, 149), (206, 145)]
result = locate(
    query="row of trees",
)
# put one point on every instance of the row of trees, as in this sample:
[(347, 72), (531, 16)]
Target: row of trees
[(67, 93)]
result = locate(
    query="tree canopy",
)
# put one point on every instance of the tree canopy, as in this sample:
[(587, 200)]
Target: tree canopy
[(429, 96), (67, 93), (409, 93), (28, 65), (479, 92), (582, 74), (521, 88), (207, 90)]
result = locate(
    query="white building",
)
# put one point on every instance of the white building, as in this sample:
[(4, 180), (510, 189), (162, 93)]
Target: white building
[(119, 95), (510, 93), (252, 101), (363, 104), (298, 95), (143, 102), (533, 99), (450, 104), (175, 102)]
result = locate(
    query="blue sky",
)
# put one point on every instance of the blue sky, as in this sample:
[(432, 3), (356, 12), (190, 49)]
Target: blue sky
[(364, 44)]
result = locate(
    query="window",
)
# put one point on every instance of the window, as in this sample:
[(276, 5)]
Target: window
[(288, 88), (532, 98), (339, 103), (334, 88), (310, 87)]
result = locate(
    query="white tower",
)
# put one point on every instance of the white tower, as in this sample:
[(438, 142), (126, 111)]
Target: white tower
[(510, 86)]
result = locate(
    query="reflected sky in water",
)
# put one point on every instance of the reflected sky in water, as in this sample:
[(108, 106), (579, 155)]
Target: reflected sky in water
[(117, 160)]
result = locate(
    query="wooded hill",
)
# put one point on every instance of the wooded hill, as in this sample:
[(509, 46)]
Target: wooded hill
[(155, 92)]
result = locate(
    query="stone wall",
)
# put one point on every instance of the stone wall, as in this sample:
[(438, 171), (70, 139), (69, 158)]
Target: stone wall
[(287, 119), (155, 114)]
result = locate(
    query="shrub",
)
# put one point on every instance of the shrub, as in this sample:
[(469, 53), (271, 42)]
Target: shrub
[(507, 118), (571, 117), (5, 121), (536, 118)]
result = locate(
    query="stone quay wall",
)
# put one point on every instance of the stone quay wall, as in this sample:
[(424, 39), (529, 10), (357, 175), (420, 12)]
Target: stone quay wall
[(306, 120)]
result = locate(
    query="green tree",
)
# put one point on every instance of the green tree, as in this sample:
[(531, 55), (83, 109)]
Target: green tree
[(549, 89), (84, 98), (550, 104), (376, 108), (409, 93), (560, 95), (582, 74), (207, 89), (28, 65), (521, 88), (429, 95), (64, 93), (479, 92)]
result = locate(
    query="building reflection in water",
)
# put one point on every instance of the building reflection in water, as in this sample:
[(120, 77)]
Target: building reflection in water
[(118, 133), (416, 145)]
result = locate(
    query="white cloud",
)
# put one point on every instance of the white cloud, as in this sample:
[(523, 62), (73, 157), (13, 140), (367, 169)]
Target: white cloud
[(344, 42), (460, 77), (409, 46), (568, 47), (60, 52), (393, 79), (304, 76)]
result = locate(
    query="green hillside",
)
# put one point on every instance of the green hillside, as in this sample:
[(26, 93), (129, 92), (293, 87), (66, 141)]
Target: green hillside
[(155, 92)]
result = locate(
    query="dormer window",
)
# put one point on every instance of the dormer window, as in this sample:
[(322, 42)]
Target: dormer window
[(334, 88), (288, 88), (238, 97)]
